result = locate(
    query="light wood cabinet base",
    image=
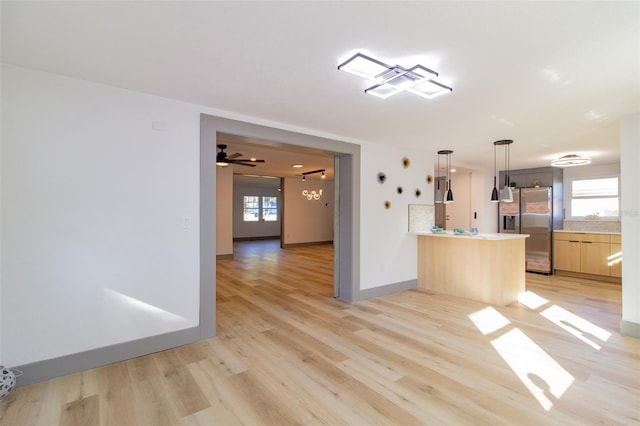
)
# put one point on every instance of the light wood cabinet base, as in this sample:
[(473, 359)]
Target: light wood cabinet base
[(589, 276), (490, 271)]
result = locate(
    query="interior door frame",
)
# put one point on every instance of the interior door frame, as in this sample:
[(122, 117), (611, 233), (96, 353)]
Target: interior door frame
[(346, 217)]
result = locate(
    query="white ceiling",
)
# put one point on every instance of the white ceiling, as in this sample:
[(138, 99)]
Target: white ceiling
[(553, 76)]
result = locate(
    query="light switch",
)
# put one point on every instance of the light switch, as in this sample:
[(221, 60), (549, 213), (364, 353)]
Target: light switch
[(186, 222)]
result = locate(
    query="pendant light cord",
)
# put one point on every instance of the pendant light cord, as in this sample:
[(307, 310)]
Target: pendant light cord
[(495, 172), (506, 173), (508, 163)]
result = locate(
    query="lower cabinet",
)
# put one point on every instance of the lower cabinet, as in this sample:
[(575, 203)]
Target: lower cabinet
[(567, 255), (594, 257), (587, 253), (616, 256)]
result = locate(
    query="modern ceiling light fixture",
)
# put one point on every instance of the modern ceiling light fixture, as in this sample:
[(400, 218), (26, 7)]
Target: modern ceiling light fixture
[(390, 80), (312, 172), (312, 194), (506, 194), (438, 196), (448, 197), (494, 192), (570, 160)]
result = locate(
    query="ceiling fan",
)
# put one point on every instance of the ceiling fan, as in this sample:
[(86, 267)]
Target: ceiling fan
[(222, 159)]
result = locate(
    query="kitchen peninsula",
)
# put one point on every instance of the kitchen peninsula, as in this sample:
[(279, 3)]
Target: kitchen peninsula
[(487, 268)]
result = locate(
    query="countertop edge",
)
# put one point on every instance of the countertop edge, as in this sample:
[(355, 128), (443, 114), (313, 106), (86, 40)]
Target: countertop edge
[(568, 231), (480, 237)]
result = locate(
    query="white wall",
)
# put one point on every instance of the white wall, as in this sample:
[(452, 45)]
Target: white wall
[(486, 219), (388, 251), (307, 221), (224, 211), (459, 212), (242, 229), (629, 161), (94, 201)]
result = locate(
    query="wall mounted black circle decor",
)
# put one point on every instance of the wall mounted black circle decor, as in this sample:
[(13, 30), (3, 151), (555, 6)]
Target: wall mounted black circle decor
[(418, 192), (406, 162), (382, 177), (399, 190)]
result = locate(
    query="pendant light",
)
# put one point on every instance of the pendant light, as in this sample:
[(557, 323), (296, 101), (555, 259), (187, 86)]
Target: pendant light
[(506, 195), (448, 198), (438, 197), (494, 192)]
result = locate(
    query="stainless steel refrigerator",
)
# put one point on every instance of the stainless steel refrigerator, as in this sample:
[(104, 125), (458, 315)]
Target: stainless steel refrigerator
[(531, 212)]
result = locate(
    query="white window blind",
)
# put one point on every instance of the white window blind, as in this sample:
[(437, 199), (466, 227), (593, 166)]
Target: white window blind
[(595, 198)]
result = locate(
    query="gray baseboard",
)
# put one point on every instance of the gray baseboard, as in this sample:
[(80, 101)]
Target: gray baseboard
[(630, 329), (371, 293), (73, 363), (224, 256), (313, 243), (270, 237)]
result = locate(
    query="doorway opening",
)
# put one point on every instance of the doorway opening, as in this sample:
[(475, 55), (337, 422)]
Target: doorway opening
[(346, 212)]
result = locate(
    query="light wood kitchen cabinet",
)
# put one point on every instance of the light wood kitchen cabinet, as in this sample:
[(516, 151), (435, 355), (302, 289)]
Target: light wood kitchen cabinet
[(615, 256), (567, 255), (594, 257), (586, 253)]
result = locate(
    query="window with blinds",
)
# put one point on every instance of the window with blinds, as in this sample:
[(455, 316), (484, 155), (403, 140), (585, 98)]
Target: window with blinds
[(595, 198)]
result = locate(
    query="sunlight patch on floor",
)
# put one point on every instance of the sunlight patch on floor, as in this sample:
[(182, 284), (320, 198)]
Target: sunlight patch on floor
[(575, 325), (539, 372), (488, 320), (543, 376), (532, 300)]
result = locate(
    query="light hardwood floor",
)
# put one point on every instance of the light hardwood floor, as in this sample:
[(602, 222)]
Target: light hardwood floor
[(288, 353)]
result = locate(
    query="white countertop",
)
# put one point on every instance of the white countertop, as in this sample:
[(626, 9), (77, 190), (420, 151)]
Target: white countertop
[(492, 237), (587, 232)]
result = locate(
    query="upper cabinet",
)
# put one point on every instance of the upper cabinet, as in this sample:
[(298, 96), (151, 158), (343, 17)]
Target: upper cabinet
[(546, 176)]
